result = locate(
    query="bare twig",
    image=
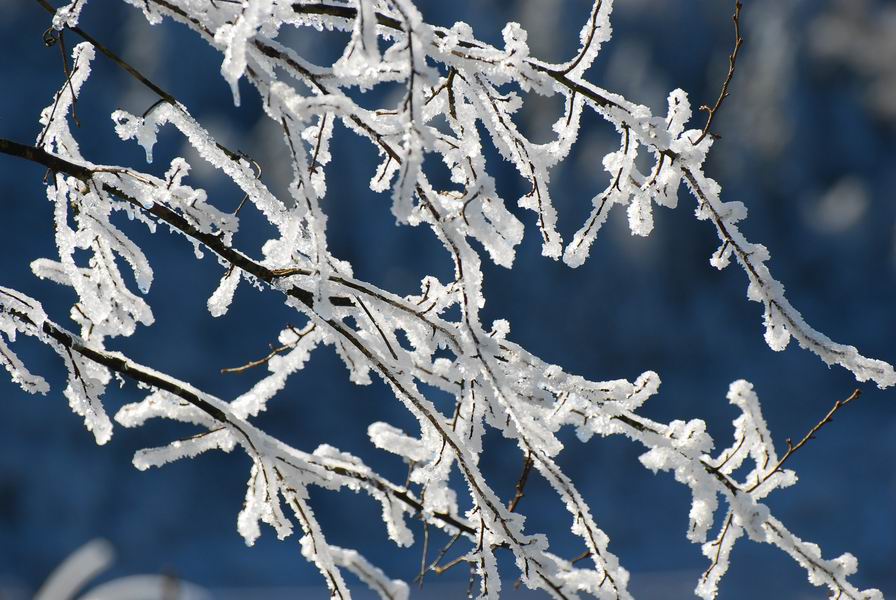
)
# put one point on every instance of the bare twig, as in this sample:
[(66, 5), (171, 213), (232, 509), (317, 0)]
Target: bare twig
[(257, 363), (718, 544), (442, 553), (791, 449), (732, 64), (521, 484), (274, 352), (439, 569), (423, 555)]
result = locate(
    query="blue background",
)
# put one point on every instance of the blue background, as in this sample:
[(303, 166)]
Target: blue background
[(797, 123)]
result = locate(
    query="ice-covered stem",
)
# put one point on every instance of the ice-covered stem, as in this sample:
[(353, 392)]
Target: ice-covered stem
[(140, 77), (781, 319), (683, 448), (494, 381), (500, 521), (326, 467), (210, 240), (334, 468)]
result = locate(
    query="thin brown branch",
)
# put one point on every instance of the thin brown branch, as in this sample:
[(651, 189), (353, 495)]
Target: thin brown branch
[(791, 449), (439, 569), (274, 352), (113, 57), (439, 557), (521, 483), (732, 65), (423, 555), (258, 362), (718, 544)]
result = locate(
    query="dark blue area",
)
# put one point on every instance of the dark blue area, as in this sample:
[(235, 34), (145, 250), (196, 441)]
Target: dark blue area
[(637, 304)]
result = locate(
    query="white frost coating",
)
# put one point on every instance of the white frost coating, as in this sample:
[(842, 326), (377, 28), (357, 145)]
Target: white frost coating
[(392, 439), (298, 344), (55, 136), (361, 61), (619, 165), (86, 379), (373, 577), (67, 16), (33, 384), (86, 384), (262, 504), (594, 33), (459, 96), (158, 405), (156, 457), (782, 321), (19, 313), (144, 130), (220, 300), (235, 37), (316, 549)]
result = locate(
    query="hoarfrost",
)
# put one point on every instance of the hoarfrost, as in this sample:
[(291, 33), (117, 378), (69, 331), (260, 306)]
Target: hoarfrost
[(459, 96)]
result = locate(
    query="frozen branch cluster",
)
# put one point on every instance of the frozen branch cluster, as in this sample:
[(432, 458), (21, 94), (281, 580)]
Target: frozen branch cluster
[(459, 94)]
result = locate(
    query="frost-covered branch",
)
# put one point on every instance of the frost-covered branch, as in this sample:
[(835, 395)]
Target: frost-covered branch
[(459, 95)]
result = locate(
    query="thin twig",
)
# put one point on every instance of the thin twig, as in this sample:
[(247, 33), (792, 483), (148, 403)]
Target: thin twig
[(136, 74), (68, 77), (791, 449), (257, 363), (274, 351), (732, 63), (521, 484), (50, 40), (441, 554), (718, 544), (423, 554), (439, 569)]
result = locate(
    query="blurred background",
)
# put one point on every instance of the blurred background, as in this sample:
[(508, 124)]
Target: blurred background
[(808, 144)]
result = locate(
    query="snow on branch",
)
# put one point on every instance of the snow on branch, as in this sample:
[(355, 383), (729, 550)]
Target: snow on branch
[(411, 342)]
